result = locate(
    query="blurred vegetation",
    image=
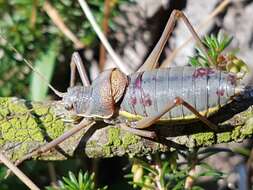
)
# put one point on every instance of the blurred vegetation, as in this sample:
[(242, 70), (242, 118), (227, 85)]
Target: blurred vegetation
[(165, 171), (25, 24)]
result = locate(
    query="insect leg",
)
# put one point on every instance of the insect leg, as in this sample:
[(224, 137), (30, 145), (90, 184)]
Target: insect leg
[(152, 60), (139, 132), (148, 121), (84, 123), (76, 61), (196, 112)]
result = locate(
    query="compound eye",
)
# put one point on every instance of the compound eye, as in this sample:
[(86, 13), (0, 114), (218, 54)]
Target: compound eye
[(68, 107)]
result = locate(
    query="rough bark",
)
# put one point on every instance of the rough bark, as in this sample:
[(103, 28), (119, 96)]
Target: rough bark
[(27, 125)]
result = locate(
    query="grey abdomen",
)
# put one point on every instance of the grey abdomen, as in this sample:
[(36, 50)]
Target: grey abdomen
[(203, 88)]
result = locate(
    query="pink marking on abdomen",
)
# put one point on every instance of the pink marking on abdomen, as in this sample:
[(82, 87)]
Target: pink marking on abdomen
[(201, 72)]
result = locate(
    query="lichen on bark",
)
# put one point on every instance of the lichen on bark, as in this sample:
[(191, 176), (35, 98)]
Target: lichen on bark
[(25, 126)]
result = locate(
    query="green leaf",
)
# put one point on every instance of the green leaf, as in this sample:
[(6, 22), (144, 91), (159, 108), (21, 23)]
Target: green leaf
[(68, 183), (216, 174), (2, 172), (179, 185), (197, 188), (226, 43), (83, 182), (80, 179), (72, 178), (215, 46), (212, 174), (242, 151), (45, 65), (194, 62)]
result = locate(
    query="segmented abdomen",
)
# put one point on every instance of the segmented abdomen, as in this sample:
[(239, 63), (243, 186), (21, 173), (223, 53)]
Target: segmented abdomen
[(204, 88)]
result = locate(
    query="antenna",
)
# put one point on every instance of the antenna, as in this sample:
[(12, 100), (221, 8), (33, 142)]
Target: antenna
[(29, 64)]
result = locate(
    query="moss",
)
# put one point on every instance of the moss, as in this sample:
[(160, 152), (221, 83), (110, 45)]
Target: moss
[(4, 100), (55, 129), (201, 139), (14, 131), (224, 137), (40, 110), (129, 139), (118, 141), (4, 111), (235, 134), (20, 151), (17, 108), (239, 132), (6, 135), (248, 127), (47, 118), (21, 125), (54, 126), (114, 137), (91, 143), (107, 151), (114, 141)]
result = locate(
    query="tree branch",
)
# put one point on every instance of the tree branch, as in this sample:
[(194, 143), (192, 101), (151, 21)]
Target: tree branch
[(26, 125)]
